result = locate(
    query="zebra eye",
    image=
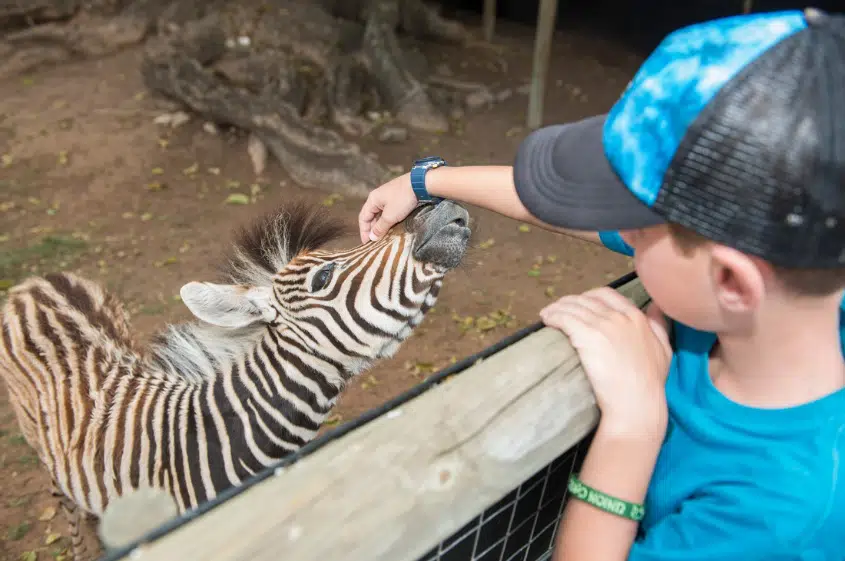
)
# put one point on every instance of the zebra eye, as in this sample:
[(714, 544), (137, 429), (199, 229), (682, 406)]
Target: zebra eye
[(322, 278)]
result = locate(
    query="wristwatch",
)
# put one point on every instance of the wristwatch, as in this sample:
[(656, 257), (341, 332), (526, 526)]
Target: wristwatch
[(418, 171)]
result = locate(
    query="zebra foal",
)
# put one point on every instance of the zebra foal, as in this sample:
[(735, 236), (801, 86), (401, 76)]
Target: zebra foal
[(212, 401)]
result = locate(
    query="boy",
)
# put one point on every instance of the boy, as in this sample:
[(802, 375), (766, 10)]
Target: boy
[(721, 169)]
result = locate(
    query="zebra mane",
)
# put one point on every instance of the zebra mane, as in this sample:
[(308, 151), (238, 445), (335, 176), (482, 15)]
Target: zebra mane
[(264, 247), (193, 350)]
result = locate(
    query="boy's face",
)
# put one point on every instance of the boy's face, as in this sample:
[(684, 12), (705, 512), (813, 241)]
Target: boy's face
[(678, 282)]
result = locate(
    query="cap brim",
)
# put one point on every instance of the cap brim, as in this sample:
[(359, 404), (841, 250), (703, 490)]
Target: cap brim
[(563, 177)]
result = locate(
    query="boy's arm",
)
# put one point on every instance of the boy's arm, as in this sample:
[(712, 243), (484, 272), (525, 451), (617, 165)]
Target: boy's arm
[(622, 468), (490, 187)]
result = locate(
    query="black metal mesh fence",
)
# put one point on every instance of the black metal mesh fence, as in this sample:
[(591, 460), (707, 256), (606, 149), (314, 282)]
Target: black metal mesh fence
[(523, 524)]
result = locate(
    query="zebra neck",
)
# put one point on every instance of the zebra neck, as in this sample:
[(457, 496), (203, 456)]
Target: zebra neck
[(273, 401)]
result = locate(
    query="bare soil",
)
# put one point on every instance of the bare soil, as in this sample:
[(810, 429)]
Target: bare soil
[(89, 183)]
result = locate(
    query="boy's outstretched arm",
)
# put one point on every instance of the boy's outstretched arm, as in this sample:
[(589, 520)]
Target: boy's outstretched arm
[(490, 187)]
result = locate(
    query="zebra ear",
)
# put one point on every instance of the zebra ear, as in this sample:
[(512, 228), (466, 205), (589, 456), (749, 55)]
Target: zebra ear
[(229, 305)]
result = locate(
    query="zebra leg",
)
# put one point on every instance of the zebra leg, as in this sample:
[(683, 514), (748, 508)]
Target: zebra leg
[(73, 517), (80, 524)]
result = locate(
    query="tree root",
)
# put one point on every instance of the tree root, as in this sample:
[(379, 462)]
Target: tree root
[(312, 155), (282, 70)]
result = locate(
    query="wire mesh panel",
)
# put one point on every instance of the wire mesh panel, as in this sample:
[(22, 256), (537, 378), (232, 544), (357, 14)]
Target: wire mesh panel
[(522, 525)]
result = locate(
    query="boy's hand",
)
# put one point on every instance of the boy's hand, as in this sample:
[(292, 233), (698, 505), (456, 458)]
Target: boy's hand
[(625, 353), (385, 206)]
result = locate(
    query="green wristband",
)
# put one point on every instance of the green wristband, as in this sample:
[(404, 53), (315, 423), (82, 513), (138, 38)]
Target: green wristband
[(605, 502)]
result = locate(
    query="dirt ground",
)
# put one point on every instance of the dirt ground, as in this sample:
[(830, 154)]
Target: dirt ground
[(89, 183)]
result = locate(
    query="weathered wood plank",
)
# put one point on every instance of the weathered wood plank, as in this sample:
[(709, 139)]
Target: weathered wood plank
[(398, 485), (540, 64)]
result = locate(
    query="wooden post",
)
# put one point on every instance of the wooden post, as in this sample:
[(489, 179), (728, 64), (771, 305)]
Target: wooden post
[(405, 481), (489, 19), (540, 65), (132, 515)]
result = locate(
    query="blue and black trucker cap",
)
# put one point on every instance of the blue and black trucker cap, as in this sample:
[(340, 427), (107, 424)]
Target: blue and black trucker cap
[(733, 128)]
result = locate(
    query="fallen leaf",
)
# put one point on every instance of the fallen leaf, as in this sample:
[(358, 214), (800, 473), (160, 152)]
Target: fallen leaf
[(168, 261), (550, 291), (487, 243), (28, 556), (48, 514), (52, 538), (63, 157), (19, 531), (257, 151), (192, 169), (179, 118), (524, 228), (146, 217), (157, 171), (485, 324), (254, 191), (237, 199), (331, 199), (6, 160)]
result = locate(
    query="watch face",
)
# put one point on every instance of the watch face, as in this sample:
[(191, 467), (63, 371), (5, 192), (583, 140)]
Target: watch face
[(428, 161)]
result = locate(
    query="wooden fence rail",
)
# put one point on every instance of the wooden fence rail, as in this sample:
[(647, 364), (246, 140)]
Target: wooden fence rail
[(397, 485)]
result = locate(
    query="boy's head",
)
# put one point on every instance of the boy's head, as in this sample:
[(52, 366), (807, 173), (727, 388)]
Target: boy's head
[(728, 145)]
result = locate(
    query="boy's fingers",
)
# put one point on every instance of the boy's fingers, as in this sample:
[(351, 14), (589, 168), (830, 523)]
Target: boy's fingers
[(369, 211), (380, 227)]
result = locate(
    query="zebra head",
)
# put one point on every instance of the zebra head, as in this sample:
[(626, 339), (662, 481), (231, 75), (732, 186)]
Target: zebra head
[(349, 305)]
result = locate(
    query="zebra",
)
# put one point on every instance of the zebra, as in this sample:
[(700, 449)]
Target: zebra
[(251, 378)]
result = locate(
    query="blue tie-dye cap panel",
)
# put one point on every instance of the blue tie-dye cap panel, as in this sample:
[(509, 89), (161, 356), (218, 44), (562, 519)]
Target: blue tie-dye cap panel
[(646, 125)]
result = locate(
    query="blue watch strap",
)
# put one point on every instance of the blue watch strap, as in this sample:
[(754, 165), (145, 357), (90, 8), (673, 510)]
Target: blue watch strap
[(418, 171)]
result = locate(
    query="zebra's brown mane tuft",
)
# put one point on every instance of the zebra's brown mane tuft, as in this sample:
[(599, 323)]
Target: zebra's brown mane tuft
[(261, 249)]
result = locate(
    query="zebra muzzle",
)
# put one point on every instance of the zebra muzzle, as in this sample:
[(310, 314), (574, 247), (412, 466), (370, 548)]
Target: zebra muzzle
[(442, 234)]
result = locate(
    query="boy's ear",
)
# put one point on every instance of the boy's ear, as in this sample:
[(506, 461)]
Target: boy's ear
[(228, 305), (738, 280)]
